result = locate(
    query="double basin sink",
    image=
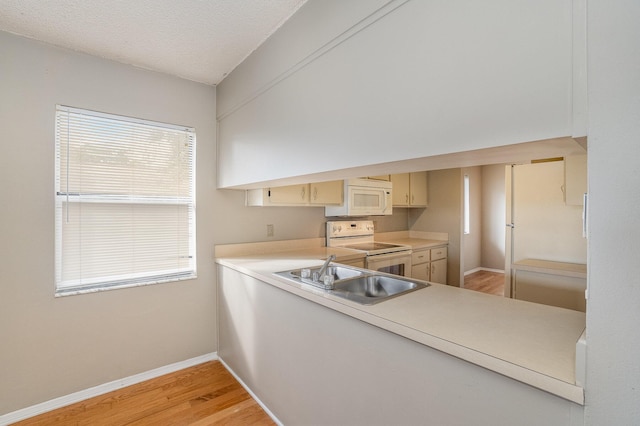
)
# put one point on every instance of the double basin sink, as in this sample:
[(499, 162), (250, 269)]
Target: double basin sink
[(358, 285)]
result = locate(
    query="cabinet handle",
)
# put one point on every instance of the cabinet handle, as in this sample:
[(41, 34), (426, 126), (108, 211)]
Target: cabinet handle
[(303, 192), (315, 193), (413, 198), (433, 268), (406, 198)]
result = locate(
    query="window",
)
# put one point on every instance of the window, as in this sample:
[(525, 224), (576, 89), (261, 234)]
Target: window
[(467, 207), (125, 202)]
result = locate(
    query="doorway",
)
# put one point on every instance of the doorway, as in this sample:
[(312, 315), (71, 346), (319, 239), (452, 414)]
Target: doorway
[(483, 237)]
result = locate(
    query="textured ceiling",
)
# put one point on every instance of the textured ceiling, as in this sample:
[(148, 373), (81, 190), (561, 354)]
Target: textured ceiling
[(200, 40)]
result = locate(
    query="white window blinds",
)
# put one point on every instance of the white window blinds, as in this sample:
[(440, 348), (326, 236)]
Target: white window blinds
[(125, 201)]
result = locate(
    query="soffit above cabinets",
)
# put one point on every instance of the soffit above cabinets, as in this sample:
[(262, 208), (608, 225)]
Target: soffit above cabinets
[(520, 153)]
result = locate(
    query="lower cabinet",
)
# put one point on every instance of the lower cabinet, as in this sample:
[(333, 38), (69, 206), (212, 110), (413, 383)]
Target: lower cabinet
[(438, 271), (430, 264)]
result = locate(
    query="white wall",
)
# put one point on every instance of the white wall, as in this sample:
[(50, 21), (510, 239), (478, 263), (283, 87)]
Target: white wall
[(294, 41), (493, 216), (613, 314), (55, 346), (51, 347), (444, 214), (472, 242), (425, 78)]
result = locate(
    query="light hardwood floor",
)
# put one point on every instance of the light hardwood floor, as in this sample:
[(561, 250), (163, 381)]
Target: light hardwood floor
[(485, 282), (206, 394)]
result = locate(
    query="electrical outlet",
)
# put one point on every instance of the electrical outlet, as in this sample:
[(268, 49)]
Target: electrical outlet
[(269, 230)]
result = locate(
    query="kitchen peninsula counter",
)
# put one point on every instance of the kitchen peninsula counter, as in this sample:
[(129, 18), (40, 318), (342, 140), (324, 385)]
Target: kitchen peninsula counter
[(531, 343)]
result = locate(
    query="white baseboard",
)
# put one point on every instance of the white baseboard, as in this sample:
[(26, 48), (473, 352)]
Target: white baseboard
[(63, 401), (250, 392), (500, 271)]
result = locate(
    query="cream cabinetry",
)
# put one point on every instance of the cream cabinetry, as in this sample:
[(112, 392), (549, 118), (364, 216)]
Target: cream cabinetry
[(314, 194), (409, 189), (323, 193), (292, 194), (438, 271), (575, 179), (380, 177), (430, 264)]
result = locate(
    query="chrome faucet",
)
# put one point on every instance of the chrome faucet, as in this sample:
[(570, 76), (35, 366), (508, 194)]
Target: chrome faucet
[(323, 270)]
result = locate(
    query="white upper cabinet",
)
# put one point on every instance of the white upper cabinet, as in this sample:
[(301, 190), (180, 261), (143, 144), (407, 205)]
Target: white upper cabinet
[(326, 193), (418, 189), (400, 189), (315, 194), (292, 194), (409, 189)]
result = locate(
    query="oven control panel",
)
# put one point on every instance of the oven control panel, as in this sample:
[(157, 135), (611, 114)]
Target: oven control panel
[(349, 228)]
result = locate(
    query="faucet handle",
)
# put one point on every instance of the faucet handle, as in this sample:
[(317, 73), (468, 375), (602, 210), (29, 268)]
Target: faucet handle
[(328, 279)]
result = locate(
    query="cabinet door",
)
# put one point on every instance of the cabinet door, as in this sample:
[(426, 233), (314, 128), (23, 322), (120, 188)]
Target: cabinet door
[(439, 271), (400, 189), (575, 179), (421, 271), (418, 189), (326, 192), (292, 194)]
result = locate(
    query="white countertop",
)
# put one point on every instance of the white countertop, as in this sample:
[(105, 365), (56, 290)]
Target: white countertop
[(532, 343), (577, 270)]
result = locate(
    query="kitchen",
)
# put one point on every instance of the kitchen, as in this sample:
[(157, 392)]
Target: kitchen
[(286, 258), (484, 246), (91, 82)]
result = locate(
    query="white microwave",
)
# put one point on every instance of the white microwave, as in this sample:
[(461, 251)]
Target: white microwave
[(363, 197)]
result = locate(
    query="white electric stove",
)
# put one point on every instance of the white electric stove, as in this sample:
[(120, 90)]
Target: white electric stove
[(380, 256)]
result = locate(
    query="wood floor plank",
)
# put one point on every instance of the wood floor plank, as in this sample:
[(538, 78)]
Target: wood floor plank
[(203, 394), (486, 282), (239, 414), (173, 415)]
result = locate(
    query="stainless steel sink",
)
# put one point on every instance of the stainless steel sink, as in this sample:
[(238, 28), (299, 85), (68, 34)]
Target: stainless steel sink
[(358, 285), (372, 289), (336, 272)]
